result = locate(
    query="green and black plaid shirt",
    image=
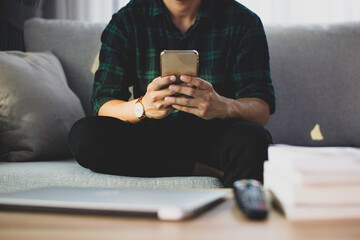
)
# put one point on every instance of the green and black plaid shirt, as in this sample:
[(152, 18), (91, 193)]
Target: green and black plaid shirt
[(230, 39)]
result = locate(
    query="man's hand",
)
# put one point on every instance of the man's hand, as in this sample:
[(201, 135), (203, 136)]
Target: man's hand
[(200, 98), (154, 100)]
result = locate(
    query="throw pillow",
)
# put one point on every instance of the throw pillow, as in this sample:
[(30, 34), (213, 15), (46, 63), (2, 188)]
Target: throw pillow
[(37, 108)]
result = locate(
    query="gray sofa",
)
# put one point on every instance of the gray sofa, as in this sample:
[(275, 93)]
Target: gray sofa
[(315, 71)]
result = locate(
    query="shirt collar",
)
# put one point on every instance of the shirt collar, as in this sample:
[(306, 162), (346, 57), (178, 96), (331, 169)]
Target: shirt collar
[(158, 8)]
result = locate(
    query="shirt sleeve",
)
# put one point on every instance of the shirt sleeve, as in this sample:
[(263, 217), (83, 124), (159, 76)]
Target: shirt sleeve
[(113, 77), (251, 72)]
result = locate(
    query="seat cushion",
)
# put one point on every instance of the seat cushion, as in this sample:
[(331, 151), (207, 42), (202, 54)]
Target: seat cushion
[(27, 175)]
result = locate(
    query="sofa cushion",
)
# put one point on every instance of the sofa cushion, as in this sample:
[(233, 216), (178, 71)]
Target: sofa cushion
[(37, 108), (21, 176), (76, 44), (316, 76)]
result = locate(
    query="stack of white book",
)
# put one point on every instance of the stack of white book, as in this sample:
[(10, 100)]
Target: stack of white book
[(314, 183)]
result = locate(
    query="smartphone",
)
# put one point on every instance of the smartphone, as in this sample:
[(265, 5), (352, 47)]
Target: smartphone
[(179, 62)]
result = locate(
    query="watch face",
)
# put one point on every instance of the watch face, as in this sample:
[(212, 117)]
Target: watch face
[(138, 110)]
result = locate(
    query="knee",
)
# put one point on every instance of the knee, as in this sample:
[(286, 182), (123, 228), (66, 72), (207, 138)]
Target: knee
[(79, 140), (82, 127), (250, 144), (251, 133), (89, 127), (248, 150), (83, 137), (76, 130)]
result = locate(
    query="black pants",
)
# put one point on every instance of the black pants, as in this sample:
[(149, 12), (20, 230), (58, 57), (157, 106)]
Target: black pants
[(170, 147)]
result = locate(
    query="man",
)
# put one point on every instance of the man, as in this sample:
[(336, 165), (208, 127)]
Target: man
[(213, 127)]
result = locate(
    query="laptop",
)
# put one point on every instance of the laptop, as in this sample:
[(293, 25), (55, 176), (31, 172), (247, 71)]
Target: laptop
[(163, 204)]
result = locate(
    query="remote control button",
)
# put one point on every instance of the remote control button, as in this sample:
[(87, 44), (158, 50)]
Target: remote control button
[(262, 206)]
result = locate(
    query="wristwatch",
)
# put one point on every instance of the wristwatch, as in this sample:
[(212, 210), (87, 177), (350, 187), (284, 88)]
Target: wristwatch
[(139, 109)]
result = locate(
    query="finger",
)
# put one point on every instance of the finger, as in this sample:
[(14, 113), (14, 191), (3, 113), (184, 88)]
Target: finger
[(163, 113), (161, 105), (160, 94), (161, 82), (186, 109), (183, 101), (182, 89), (195, 81)]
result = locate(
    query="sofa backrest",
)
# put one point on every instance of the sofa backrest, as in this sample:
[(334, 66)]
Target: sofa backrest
[(76, 44), (316, 74), (315, 71)]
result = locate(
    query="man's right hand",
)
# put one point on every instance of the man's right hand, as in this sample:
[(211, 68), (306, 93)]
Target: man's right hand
[(154, 100)]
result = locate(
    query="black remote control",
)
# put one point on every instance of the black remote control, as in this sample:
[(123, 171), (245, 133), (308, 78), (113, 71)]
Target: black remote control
[(250, 197)]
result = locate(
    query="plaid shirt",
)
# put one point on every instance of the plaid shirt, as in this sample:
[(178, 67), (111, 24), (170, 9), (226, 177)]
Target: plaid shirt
[(230, 39)]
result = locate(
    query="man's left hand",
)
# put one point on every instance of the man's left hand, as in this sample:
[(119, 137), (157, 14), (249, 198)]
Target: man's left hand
[(199, 98)]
